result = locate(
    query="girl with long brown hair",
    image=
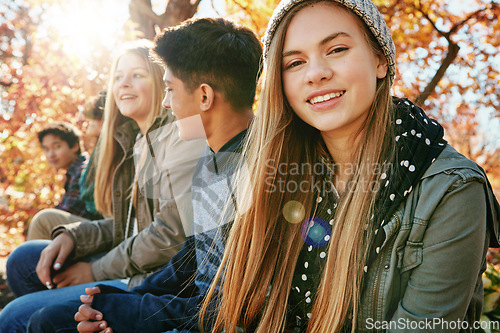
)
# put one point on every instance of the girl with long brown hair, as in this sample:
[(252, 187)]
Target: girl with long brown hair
[(362, 217)]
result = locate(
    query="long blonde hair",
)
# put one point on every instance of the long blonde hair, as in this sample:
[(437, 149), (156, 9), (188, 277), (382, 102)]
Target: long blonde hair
[(107, 148), (262, 248)]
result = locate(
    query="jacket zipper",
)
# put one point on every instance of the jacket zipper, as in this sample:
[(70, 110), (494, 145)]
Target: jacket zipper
[(377, 276)]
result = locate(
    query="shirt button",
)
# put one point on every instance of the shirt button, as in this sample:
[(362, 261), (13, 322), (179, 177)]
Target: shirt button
[(117, 193)]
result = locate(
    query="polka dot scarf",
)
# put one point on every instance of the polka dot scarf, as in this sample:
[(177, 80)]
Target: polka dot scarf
[(316, 233), (419, 141)]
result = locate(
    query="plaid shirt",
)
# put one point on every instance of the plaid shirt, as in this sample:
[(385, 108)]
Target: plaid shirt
[(71, 201), (169, 299)]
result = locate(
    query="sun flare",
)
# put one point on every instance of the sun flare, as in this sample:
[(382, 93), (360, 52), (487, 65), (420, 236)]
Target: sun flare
[(85, 25)]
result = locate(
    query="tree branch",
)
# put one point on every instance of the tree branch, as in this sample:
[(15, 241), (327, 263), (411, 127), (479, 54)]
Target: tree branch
[(142, 13), (461, 23), (453, 49), (178, 11), (143, 8), (424, 14), (448, 60), (213, 7), (246, 10)]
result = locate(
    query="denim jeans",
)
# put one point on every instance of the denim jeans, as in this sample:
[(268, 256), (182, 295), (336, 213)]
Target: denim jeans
[(60, 319), (21, 264), (32, 294), (57, 318)]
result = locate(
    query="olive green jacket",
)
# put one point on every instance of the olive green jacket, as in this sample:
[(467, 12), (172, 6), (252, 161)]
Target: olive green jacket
[(427, 276)]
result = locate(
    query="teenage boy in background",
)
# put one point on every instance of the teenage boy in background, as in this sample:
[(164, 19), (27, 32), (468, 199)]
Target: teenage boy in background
[(79, 187), (61, 145), (212, 66)]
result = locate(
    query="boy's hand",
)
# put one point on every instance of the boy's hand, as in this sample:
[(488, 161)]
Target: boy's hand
[(86, 313), (54, 254)]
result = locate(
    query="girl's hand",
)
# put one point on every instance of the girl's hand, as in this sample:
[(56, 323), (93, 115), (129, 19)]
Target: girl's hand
[(79, 273), (55, 254)]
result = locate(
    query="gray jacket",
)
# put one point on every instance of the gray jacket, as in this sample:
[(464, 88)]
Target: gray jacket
[(427, 277), (163, 207)]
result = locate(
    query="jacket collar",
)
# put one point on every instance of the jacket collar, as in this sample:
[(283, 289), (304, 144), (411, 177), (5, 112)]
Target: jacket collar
[(126, 133)]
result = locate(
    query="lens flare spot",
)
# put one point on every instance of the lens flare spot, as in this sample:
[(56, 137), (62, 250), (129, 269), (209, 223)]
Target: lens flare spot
[(294, 211), (316, 232)]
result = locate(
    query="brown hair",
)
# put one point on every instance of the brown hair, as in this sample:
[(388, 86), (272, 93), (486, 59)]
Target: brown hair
[(262, 249), (106, 146), (64, 131)]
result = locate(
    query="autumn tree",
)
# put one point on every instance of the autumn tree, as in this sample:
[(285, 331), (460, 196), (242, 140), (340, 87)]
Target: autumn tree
[(40, 82), (447, 55), (16, 26), (447, 61), (45, 76), (149, 23)]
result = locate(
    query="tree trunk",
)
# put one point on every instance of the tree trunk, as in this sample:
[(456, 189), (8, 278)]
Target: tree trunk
[(448, 60), (141, 12)]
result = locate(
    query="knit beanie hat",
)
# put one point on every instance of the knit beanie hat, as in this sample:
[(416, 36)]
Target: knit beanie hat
[(364, 9)]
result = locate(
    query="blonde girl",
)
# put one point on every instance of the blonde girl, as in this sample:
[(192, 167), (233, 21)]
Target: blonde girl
[(362, 217), (114, 118)]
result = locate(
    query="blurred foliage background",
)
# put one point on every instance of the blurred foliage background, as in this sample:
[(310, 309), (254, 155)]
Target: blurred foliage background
[(55, 55)]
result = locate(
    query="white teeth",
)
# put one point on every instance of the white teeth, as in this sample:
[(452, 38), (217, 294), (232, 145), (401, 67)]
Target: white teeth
[(326, 97), (127, 97)]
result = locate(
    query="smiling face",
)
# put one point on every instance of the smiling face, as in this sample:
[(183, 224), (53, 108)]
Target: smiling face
[(57, 151), (329, 70), (185, 106), (132, 88)]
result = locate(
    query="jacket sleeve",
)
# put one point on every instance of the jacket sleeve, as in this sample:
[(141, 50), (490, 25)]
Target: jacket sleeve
[(146, 251), (91, 237), (166, 300), (452, 253), (167, 178)]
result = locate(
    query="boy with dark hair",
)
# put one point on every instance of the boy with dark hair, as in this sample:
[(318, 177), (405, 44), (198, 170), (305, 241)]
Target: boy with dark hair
[(212, 67), (61, 145), (227, 65)]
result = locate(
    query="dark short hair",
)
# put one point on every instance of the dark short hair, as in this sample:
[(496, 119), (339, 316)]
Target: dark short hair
[(63, 130), (214, 51), (94, 109)]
